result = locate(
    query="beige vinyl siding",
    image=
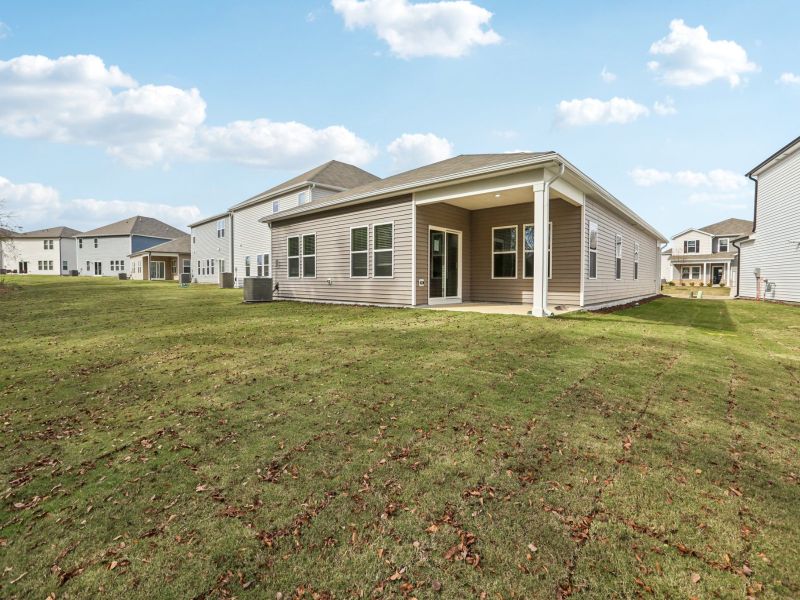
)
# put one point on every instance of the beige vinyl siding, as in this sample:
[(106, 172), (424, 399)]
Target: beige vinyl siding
[(206, 245), (563, 286), (606, 288), (776, 249), (251, 237), (332, 229), (706, 243), (448, 217)]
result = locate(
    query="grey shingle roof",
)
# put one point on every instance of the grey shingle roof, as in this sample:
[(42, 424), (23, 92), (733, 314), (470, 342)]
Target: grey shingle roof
[(137, 225), (730, 227), (50, 232), (333, 173), (692, 258), (208, 219), (448, 167), (181, 245)]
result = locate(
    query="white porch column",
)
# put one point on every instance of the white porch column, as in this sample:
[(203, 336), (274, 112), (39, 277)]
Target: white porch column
[(704, 272), (541, 216)]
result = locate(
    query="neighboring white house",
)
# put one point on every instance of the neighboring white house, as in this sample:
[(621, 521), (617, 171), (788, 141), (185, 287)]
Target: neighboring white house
[(48, 251), (705, 255), (251, 238), (211, 248), (106, 250), (770, 255)]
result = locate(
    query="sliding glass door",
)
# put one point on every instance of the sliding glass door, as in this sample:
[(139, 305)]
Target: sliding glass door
[(444, 277)]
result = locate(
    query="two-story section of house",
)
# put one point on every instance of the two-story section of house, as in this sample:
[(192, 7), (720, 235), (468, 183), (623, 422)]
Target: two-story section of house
[(105, 251), (252, 238), (704, 255), (48, 251), (770, 256), (211, 248)]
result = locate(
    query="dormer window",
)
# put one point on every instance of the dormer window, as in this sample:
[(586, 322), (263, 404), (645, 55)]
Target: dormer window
[(691, 246), (723, 244)]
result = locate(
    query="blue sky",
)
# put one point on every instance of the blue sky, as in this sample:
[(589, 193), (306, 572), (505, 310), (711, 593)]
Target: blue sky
[(181, 109)]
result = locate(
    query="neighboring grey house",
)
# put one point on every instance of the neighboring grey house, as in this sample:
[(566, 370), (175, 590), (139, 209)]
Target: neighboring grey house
[(48, 251), (165, 261), (211, 249), (770, 254), (468, 229), (705, 255), (251, 240), (106, 250)]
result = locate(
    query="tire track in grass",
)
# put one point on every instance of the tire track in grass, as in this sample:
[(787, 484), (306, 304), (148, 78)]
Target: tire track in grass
[(565, 587)]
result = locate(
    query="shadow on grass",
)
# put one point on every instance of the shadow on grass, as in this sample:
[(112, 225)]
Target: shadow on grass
[(711, 315)]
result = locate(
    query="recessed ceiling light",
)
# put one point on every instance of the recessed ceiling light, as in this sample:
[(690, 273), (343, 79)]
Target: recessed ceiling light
[(497, 195)]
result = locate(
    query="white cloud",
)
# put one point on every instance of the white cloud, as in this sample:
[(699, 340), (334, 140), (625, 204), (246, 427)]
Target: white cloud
[(607, 76), (415, 149), (35, 206), (688, 57), (665, 108), (789, 79), (589, 111), (720, 180), (283, 145), (446, 28), (729, 201), (78, 99)]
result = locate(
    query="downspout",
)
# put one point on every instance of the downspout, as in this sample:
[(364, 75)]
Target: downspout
[(738, 265), (545, 199), (755, 199)]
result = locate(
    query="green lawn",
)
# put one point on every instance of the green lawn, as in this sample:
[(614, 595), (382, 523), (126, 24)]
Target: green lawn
[(175, 443)]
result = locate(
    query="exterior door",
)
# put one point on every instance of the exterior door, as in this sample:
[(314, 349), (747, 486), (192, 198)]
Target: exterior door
[(98, 268), (716, 275), (23, 267), (444, 269), (157, 270)]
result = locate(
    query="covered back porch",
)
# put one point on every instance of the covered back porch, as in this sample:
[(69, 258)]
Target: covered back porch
[(162, 262), (480, 246)]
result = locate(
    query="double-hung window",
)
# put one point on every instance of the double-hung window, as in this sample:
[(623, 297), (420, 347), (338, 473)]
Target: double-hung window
[(636, 260), (247, 266), (527, 241), (64, 265), (221, 228), (276, 206), (187, 266), (262, 265), (310, 255), (723, 245), (594, 238), (95, 242), (618, 257), (383, 250), (504, 252), (691, 246), (359, 251), (293, 256), (302, 198), (48, 244), (80, 242)]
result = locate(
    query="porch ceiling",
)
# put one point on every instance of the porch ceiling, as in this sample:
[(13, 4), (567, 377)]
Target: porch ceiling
[(519, 195)]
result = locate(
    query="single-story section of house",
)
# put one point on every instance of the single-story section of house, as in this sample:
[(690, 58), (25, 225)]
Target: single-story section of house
[(518, 228), (163, 262)]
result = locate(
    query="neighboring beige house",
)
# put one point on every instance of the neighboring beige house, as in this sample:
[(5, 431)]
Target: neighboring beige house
[(770, 254), (211, 248), (105, 251), (705, 255), (468, 229), (251, 240), (163, 262), (48, 251)]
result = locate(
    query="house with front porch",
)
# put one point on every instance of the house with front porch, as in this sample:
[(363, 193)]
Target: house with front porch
[(519, 228), (705, 255), (162, 262)]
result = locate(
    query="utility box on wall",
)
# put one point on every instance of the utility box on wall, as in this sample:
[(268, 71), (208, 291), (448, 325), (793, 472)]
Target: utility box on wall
[(258, 289)]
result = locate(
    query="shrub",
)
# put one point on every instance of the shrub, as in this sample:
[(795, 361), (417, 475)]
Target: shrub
[(691, 283)]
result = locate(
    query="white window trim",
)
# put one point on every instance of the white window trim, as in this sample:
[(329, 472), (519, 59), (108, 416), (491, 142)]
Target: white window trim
[(303, 256), (696, 247), (394, 232), (618, 256), (221, 228), (362, 251), (276, 206), (515, 251), (549, 250), (596, 227), (299, 257), (727, 244), (636, 261)]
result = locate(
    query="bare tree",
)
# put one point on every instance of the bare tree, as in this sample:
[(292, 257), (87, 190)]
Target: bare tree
[(7, 231)]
